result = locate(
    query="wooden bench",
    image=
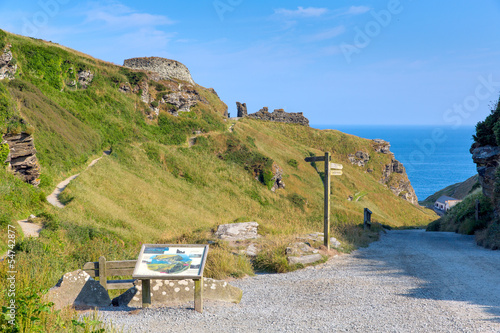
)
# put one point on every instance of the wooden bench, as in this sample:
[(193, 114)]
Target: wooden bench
[(103, 269)]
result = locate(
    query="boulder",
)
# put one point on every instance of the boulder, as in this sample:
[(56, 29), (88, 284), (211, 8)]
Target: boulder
[(237, 231), (360, 158), (304, 260), (78, 289), (252, 250), (175, 292)]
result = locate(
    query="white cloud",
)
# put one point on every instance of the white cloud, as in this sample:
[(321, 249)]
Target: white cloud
[(302, 12), (327, 34), (356, 10), (119, 16)]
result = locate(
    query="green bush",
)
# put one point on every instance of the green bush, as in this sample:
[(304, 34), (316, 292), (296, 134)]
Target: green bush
[(4, 153), (133, 77), (297, 200), (293, 163), (3, 40), (461, 218), (488, 131)]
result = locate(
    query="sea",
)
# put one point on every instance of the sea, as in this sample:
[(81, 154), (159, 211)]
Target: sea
[(434, 157)]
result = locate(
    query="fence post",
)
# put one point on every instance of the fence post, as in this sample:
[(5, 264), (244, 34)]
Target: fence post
[(367, 223), (103, 279)]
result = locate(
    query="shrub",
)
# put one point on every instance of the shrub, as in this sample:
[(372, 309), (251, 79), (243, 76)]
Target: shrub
[(4, 153), (133, 77), (488, 131), (293, 163), (297, 200), (3, 40)]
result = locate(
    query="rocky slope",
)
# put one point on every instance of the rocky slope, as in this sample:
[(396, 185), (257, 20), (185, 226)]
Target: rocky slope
[(393, 173)]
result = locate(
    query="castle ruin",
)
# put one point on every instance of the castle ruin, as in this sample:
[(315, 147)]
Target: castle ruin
[(166, 68), (278, 115)]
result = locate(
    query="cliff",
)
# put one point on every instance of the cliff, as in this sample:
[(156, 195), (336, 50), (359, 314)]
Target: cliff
[(166, 68), (393, 173)]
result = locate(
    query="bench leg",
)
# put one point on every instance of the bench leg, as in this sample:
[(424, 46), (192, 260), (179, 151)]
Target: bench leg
[(198, 295), (146, 293)]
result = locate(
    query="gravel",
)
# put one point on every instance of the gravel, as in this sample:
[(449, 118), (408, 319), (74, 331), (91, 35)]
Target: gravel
[(409, 281)]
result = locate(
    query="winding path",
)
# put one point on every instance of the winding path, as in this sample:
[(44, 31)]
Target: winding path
[(32, 229), (53, 198), (409, 281)]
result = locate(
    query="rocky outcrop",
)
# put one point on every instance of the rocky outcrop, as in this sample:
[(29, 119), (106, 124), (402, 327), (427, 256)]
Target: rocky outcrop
[(279, 115), (182, 100), (487, 160), (381, 146), (394, 174), (360, 158), (8, 67), (395, 177), (242, 109), (22, 157), (85, 78), (277, 178), (78, 289), (166, 68)]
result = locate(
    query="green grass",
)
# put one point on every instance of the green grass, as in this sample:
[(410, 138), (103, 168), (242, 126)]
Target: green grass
[(154, 188)]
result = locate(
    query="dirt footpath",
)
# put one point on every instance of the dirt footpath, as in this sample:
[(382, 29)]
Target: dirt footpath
[(410, 281)]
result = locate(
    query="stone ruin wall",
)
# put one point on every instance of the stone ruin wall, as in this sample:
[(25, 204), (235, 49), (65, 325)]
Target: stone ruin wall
[(278, 115), (166, 68)]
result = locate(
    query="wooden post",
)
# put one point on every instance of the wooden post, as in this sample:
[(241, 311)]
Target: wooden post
[(198, 295), (146, 293), (367, 223), (103, 279), (326, 229)]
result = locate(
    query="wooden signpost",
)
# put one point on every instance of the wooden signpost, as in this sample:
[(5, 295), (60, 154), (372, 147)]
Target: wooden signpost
[(331, 169)]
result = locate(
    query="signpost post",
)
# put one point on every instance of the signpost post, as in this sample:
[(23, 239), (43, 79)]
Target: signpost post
[(171, 262), (331, 169)]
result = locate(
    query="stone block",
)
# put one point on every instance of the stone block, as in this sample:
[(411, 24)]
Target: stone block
[(175, 292), (304, 260), (78, 289), (237, 231)]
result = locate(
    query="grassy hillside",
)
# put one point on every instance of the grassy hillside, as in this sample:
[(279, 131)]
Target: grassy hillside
[(156, 187), (458, 191)]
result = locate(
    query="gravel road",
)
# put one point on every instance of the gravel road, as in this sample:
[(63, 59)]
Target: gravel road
[(409, 281)]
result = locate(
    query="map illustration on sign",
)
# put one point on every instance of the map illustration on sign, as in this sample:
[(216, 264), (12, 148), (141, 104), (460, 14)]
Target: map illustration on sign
[(170, 261)]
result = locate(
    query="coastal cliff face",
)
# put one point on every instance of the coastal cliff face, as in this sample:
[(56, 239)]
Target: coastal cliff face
[(166, 68), (487, 159), (394, 174)]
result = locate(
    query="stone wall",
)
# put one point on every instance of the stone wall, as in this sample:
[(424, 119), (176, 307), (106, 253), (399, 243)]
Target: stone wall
[(166, 68), (242, 109), (279, 115)]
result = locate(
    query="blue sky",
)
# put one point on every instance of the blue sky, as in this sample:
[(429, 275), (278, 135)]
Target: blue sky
[(391, 62)]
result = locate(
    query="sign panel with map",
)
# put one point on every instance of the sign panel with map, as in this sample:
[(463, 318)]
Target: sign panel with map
[(175, 261)]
